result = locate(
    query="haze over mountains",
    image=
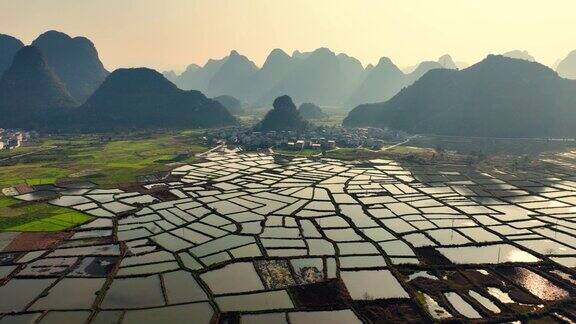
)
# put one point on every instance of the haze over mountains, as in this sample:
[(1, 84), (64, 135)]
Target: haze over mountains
[(386, 79), (320, 76), (498, 97), (567, 67), (47, 83), (233, 77), (233, 105), (59, 83), (521, 55), (310, 111)]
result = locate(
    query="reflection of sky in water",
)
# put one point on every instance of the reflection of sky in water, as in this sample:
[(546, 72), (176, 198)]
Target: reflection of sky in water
[(518, 256), (461, 305), (500, 295), (538, 285), (291, 218), (564, 276), (484, 301), (437, 311), (498, 253)]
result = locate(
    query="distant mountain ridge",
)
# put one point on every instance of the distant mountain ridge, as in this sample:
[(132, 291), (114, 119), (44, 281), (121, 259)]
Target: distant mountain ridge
[(233, 105), (320, 76), (233, 78), (196, 77), (277, 66), (310, 111), (42, 88), (567, 67), (386, 79), (498, 97), (521, 55)]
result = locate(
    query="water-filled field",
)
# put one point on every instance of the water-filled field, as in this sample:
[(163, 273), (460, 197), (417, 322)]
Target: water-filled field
[(258, 239)]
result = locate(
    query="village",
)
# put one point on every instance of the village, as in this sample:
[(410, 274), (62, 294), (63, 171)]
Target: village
[(321, 138), (11, 138)]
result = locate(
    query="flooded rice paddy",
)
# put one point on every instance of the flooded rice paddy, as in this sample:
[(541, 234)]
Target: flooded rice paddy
[(245, 238)]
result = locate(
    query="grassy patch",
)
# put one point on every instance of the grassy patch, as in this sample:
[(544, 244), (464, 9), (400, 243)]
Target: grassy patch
[(300, 153), (396, 153), (117, 161), (332, 120), (5, 202), (22, 217), (408, 150), (53, 223), (352, 154)]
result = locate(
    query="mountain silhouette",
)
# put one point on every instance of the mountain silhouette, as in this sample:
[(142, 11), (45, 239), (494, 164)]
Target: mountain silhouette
[(233, 78), (311, 111), (567, 67), (143, 98), (352, 74), (422, 69), (31, 94), (9, 46), (381, 83), (283, 117), (276, 67), (75, 60), (170, 76), (462, 65), (319, 77), (446, 62), (498, 97), (198, 78), (385, 80), (521, 55), (233, 105)]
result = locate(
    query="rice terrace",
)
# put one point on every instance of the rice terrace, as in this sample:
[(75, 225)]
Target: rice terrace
[(414, 243), (287, 162)]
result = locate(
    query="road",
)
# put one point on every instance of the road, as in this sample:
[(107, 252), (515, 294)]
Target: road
[(211, 150), (29, 153), (398, 144)]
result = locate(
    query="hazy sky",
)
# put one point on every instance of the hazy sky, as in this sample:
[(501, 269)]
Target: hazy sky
[(170, 34)]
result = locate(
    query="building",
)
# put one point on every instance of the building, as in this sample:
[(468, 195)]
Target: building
[(299, 145), (330, 145)]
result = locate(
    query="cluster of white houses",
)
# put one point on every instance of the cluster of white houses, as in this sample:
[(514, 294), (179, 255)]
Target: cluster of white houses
[(324, 138), (11, 139)]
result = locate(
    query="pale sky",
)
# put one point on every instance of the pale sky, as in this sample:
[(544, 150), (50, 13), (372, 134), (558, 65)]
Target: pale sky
[(170, 34)]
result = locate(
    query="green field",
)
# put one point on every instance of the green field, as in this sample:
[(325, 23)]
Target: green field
[(109, 160), (298, 153), (107, 163), (352, 154), (16, 216), (398, 152)]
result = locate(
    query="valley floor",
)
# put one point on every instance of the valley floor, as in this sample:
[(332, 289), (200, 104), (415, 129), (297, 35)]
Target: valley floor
[(257, 238), (106, 159)]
